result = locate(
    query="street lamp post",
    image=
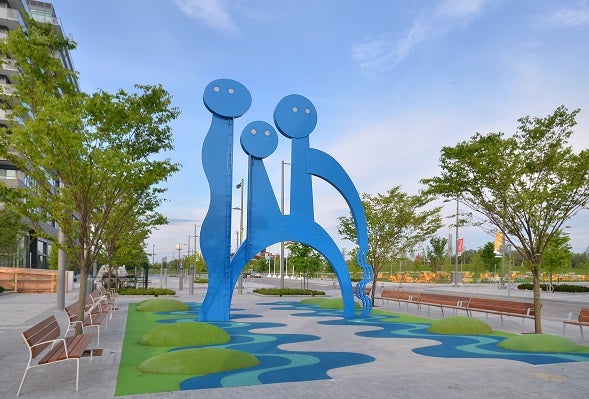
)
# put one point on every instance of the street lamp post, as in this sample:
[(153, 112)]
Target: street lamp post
[(282, 211), (180, 268), (240, 234), (456, 250)]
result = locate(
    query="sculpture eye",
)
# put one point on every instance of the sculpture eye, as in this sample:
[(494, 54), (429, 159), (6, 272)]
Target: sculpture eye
[(253, 131), (307, 111), (295, 109), (216, 89), (267, 132), (231, 90)]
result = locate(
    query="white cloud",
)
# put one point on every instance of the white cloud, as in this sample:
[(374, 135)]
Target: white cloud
[(212, 12), (568, 18), (376, 56)]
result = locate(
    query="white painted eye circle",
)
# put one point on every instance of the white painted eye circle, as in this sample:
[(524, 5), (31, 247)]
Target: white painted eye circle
[(231, 91), (216, 89), (267, 132), (295, 109), (253, 131), (307, 111)]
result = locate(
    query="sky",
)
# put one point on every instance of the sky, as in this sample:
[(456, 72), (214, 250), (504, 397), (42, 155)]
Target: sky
[(392, 82)]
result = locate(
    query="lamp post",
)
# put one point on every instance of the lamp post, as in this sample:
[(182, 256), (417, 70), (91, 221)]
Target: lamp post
[(282, 211), (455, 279), (180, 267), (240, 234)]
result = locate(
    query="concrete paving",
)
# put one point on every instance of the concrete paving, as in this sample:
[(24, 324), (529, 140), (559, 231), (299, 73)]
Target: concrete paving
[(397, 372)]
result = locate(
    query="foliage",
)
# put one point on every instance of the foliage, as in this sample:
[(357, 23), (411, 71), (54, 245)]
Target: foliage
[(555, 287), (287, 291), (527, 185), (557, 255), (100, 147), (147, 291), (305, 259), (437, 253), (11, 227), (489, 258), (397, 222)]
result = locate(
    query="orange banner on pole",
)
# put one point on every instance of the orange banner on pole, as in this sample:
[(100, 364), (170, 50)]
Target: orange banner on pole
[(498, 241), (460, 246)]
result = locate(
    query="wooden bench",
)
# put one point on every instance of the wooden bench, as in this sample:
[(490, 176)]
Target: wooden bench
[(502, 308), (93, 317), (46, 334), (399, 296), (582, 320), (443, 301)]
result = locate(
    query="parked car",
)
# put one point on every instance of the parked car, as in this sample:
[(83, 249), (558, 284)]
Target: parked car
[(257, 275)]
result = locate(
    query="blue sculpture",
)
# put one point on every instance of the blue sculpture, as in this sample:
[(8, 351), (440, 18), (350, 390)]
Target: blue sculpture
[(295, 117)]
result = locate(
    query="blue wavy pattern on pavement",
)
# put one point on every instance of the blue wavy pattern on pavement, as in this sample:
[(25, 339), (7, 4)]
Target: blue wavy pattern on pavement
[(449, 346), (279, 366), (276, 365)]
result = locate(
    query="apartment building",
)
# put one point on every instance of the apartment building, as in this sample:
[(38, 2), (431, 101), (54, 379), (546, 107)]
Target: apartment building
[(31, 251)]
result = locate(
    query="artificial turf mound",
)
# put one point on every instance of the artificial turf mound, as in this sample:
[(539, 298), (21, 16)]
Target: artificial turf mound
[(460, 325), (324, 303), (162, 305), (184, 334), (198, 361), (540, 343)]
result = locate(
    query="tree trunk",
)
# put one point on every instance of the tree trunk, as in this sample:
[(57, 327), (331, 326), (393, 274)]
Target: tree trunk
[(82, 299), (537, 302)]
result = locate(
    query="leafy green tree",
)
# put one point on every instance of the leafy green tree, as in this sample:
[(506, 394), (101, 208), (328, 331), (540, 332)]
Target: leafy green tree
[(557, 255), (11, 227), (438, 252), (527, 185), (397, 222), (99, 147), (489, 258), (304, 259)]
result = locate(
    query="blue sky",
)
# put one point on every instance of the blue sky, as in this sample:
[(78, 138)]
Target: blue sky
[(392, 81)]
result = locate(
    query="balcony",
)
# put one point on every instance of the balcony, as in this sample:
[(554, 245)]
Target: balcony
[(9, 18), (8, 68)]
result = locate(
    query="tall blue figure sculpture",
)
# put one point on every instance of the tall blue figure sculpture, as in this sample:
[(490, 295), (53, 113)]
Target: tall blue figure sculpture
[(295, 118)]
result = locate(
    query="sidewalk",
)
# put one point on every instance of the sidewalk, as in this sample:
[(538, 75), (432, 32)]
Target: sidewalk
[(397, 372)]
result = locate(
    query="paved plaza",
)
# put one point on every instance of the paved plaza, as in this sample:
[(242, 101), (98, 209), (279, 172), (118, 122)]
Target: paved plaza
[(397, 372)]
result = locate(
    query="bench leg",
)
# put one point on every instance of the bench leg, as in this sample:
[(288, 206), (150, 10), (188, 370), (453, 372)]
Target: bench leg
[(564, 329), (23, 380), (582, 338), (77, 373)]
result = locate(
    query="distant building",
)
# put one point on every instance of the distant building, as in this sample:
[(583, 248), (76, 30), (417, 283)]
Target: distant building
[(31, 251)]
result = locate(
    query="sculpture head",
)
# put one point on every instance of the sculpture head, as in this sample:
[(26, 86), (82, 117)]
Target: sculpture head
[(259, 139), (295, 116), (227, 98)]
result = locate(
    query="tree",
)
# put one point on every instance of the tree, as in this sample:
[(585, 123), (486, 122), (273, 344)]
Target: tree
[(397, 222), (101, 148), (11, 227), (527, 185), (557, 255), (489, 258), (437, 252)]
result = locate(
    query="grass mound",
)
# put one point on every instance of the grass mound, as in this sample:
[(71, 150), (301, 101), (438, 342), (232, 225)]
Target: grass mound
[(328, 303), (184, 334), (461, 325), (540, 343), (162, 305), (198, 361)]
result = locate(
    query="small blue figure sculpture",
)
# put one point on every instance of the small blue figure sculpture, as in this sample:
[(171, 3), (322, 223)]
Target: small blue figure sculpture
[(296, 118)]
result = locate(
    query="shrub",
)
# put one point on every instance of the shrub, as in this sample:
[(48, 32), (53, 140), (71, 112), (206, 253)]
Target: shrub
[(147, 291), (1, 288), (162, 305), (557, 287), (287, 291), (460, 325)]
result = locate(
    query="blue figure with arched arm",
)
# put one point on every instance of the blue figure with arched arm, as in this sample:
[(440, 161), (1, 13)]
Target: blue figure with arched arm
[(296, 117), (265, 223), (226, 99)]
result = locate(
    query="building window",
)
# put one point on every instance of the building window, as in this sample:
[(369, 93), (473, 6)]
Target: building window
[(7, 174)]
